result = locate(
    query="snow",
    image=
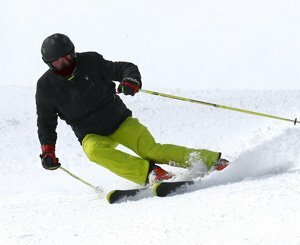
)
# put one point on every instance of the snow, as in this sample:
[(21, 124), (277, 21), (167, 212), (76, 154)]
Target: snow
[(253, 201), (242, 54)]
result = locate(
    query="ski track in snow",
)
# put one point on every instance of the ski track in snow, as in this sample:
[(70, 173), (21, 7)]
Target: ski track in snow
[(253, 201)]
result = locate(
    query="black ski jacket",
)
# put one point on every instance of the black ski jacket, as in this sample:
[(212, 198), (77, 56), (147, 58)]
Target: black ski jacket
[(88, 102)]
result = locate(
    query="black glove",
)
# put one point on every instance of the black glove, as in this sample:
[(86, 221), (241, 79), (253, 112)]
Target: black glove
[(129, 86), (49, 160)]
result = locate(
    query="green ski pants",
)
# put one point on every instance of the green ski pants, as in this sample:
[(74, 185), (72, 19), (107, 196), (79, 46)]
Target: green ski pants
[(135, 136)]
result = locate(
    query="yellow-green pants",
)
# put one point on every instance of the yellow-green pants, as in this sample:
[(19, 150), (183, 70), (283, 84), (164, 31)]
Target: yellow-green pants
[(135, 136)]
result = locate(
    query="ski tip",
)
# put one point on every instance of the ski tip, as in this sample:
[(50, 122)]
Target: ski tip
[(109, 197), (154, 188)]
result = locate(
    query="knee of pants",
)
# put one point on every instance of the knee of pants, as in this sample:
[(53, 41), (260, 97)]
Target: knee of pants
[(93, 147), (90, 149)]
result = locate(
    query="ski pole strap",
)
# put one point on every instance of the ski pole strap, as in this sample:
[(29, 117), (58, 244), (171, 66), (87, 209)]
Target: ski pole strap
[(97, 189), (219, 106)]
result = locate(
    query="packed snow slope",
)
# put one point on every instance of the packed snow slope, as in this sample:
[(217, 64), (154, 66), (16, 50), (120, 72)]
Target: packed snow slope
[(254, 201)]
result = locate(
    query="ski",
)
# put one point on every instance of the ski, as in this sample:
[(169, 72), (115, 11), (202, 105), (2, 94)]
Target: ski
[(117, 195), (164, 189)]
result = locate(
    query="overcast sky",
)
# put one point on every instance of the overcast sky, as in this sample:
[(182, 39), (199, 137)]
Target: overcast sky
[(175, 43)]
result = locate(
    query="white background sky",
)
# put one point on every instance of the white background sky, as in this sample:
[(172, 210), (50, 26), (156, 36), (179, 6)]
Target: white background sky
[(192, 43)]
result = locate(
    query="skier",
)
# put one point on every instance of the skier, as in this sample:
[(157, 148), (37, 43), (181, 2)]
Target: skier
[(79, 89)]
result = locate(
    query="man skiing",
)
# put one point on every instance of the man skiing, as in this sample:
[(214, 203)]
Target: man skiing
[(79, 89)]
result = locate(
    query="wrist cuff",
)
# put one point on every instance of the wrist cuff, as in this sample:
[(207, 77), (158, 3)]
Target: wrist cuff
[(48, 148)]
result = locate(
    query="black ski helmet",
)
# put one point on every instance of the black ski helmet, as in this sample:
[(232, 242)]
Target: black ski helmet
[(55, 46)]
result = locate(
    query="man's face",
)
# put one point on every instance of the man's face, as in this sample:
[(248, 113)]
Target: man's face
[(62, 62), (64, 66)]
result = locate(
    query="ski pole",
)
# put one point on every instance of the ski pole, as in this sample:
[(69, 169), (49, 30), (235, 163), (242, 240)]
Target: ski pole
[(97, 189), (220, 106)]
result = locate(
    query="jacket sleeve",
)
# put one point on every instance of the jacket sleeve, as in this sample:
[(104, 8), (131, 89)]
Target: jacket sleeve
[(119, 70), (46, 117)]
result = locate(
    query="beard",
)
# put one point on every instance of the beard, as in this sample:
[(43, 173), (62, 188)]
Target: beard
[(67, 70)]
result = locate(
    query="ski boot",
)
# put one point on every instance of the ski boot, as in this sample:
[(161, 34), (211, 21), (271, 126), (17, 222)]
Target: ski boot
[(221, 164), (157, 174)]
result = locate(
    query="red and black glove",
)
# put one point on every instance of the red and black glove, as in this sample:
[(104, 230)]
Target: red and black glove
[(129, 86), (49, 160)]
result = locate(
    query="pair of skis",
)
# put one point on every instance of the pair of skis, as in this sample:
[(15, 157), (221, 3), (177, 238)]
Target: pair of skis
[(161, 189)]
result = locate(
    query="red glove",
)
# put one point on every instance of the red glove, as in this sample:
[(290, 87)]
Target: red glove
[(129, 86), (49, 160)]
